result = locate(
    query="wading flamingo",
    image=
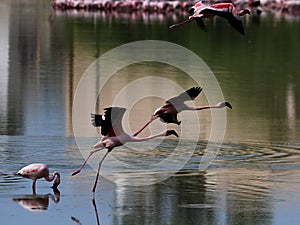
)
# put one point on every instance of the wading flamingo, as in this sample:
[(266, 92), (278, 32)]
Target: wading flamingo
[(114, 135), (227, 11), (168, 112), (39, 170)]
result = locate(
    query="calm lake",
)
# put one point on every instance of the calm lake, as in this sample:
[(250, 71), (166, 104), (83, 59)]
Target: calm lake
[(254, 178)]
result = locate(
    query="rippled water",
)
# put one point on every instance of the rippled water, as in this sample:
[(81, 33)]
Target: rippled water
[(254, 178), (249, 183)]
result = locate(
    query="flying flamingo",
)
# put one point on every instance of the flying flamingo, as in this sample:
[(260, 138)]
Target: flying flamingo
[(227, 11), (114, 135), (39, 170), (168, 112)]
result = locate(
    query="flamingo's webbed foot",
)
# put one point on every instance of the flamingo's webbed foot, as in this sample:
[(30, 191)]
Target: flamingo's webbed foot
[(75, 172)]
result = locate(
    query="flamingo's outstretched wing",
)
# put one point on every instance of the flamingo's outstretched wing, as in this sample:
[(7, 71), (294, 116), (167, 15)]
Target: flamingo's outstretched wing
[(100, 121), (97, 120), (232, 17), (201, 24), (110, 122), (190, 94)]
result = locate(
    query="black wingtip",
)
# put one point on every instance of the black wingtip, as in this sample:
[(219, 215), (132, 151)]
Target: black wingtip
[(194, 92), (201, 25), (96, 120)]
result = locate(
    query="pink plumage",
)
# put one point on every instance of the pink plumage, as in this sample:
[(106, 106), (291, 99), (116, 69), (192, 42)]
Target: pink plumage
[(39, 170)]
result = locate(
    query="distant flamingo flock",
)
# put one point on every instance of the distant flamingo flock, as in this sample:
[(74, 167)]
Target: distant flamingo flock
[(291, 7), (123, 6)]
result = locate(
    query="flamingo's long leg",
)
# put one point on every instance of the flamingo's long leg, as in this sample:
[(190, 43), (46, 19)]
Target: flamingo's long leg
[(143, 127), (182, 23), (33, 187), (85, 161), (99, 166), (140, 130)]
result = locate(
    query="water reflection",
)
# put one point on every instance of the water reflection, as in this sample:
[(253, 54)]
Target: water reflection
[(218, 196), (95, 211), (211, 197), (76, 220), (248, 183), (56, 48), (37, 202), (4, 78), (291, 111)]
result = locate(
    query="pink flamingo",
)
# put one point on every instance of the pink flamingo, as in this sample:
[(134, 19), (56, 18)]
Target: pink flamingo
[(227, 11), (168, 112), (113, 135), (39, 170)]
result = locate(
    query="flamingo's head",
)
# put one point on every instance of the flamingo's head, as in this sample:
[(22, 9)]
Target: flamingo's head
[(57, 180), (171, 132), (224, 104), (244, 12), (228, 105), (196, 8), (191, 11), (247, 11)]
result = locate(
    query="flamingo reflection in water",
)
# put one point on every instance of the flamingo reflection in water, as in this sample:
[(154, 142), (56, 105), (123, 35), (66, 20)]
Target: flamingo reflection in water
[(37, 203), (36, 171), (114, 135), (96, 214), (168, 112)]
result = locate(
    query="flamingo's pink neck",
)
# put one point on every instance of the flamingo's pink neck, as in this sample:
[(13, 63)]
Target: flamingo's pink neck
[(57, 180), (135, 139)]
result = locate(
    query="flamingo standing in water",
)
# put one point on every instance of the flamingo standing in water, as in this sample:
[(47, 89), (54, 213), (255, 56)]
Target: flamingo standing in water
[(114, 135), (36, 171), (168, 112), (227, 11)]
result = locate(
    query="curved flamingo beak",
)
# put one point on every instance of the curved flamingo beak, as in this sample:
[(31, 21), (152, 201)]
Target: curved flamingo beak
[(247, 11), (171, 132), (56, 182), (228, 105)]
